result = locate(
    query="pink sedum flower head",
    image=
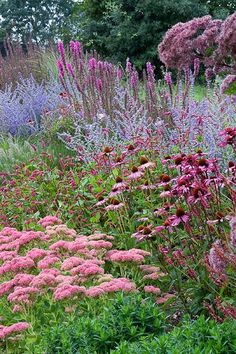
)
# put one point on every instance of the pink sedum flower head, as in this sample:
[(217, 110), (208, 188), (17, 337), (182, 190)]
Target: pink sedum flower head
[(152, 289), (66, 291), (47, 262), (164, 298), (17, 264), (133, 255), (49, 221), (6, 331)]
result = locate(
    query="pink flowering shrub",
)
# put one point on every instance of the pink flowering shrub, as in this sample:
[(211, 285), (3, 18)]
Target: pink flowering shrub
[(211, 42)]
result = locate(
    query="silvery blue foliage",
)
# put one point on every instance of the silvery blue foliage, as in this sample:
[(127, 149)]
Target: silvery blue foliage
[(129, 120), (199, 124), (194, 125), (21, 108), (130, 117)]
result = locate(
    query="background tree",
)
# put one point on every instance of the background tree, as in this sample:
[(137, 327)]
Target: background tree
[(39, 19), (220, 8), (118, 29)]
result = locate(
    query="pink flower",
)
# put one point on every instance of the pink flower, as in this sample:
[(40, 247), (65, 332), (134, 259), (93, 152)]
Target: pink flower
[(100, 244), (47, 261), (61, 244), (120, 184), (70, 69), (153, 276), (135, 174), (99, 236), (61, 230), (215, 259), (43, 279), (179, 217), (36, 253), (101, 201), (6, 287), (17, 264), (71, 262), (147, 165), (92, 64), (66, 279), (49, 220), (23, 279), (66, 291), (143, 233), (60, 68), (149, 269), (132, 255), (7, 255), (117, 284), (88, 268), (21, 294), (16, 327), (94, 291), (115, 205), (152, 289), (17, 308), (164, 298)]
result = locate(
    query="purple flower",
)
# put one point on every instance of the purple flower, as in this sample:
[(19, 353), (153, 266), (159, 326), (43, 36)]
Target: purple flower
[(61, 49), (92, 64)]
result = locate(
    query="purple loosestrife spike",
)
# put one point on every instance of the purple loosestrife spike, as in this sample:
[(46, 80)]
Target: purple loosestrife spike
[(92, 64), (72, 47), (99, 84), (150, 72), (168, 78), (60, 68), (134, 79), (119, 74), (61, 48), (100, 65), (128, 67), (70, 69), (78, 48)]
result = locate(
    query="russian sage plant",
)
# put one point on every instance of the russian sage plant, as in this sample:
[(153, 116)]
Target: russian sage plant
[(21, 108)]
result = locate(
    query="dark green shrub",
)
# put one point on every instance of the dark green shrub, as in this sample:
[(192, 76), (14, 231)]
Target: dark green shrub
[(192, 337), (127, 318)]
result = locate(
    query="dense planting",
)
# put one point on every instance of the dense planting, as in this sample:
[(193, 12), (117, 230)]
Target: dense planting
[(126, 242)]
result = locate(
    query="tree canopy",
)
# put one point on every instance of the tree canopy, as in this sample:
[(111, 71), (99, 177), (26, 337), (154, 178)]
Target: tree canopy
[(131, 28), (39, 19), (117, 29)]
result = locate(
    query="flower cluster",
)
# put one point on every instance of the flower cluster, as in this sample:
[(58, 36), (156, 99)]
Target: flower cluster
[(59, 262), (6, 331), (210, 41), (183, 220)]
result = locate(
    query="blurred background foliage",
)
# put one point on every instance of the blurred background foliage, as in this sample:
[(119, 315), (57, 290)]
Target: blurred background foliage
[(117, 29)]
